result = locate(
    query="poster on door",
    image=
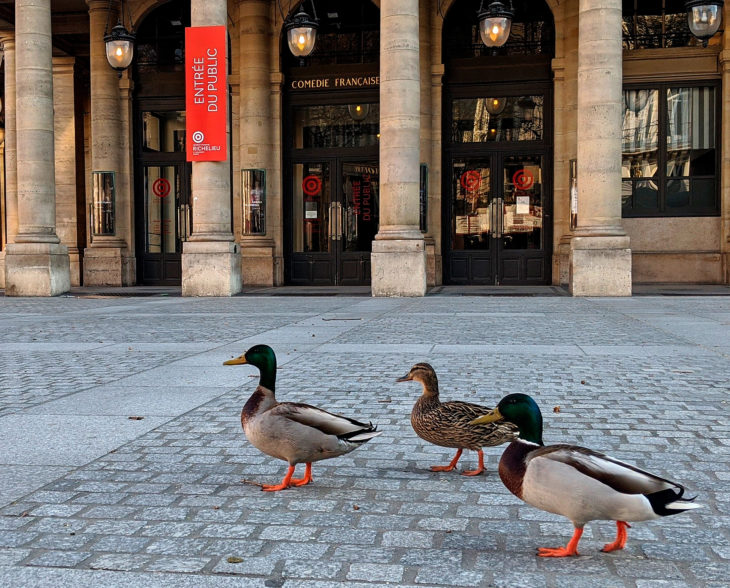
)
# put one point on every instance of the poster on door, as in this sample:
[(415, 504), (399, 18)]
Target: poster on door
[(206, 93)]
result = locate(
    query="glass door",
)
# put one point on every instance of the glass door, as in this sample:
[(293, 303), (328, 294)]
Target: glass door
[(334, 218), (167, 222), (496, 232)]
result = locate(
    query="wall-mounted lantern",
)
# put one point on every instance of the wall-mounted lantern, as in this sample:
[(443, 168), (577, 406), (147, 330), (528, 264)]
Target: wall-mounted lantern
[(704, 18), (495, 23), (301, 31), (119, 41)]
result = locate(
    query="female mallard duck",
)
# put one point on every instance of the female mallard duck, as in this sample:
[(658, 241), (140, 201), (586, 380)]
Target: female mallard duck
[(447, 423), (576, 482), (294, 432)]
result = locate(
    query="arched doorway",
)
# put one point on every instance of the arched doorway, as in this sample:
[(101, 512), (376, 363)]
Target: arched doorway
[(497, 156), (163, 213), (330, 144)]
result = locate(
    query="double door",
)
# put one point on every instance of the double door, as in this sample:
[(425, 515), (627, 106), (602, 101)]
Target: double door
[(497, 219), (333, 219)]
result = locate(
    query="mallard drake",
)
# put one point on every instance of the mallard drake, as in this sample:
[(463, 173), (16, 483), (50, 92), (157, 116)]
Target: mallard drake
[(578, 483), (447, 423), (294, 432)]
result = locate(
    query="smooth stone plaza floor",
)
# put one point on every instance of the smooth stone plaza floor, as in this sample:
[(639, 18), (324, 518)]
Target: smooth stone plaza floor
[(124, 463)]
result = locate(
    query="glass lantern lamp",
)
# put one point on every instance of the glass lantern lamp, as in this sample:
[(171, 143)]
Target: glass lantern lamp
[(119, 44), (495, 23), (495, 106), (704, 18), (301, 32)]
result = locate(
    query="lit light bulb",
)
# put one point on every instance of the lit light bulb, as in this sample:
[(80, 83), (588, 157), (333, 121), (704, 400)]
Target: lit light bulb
[(118, 52)]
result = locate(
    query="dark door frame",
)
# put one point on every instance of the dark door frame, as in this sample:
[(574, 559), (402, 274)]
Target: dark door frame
[(535, 78), (169, 261)]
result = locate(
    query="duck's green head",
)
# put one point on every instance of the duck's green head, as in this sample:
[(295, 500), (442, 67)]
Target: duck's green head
[(262, 357), (521, 410)]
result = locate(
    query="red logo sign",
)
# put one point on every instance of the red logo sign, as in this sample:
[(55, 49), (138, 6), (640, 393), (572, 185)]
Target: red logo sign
[(470, 180), (161, 187), (206, 93), (523, 179), (311, 185)]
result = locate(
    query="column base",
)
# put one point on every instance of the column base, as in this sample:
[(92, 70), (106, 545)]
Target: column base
[(434, 267), (108, 266), (211, 268), (257, 264), (36, 269), (600, 266), (562, 262), (2, 269), (398, 268)]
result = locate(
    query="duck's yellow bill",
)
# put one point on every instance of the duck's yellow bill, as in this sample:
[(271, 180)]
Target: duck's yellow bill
[(491, 417), (236, 361)]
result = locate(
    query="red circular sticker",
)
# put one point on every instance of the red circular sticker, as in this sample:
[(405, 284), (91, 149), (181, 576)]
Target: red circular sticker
[(470, 180), (161, 187), (312, 185), (523, 179)]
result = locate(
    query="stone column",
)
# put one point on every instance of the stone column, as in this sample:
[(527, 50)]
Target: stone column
[(600, 258), (255, 143), (725, 149), (7, 38), (211, 261), (399, 257), (36, 264), (65, 161), (103, 257)]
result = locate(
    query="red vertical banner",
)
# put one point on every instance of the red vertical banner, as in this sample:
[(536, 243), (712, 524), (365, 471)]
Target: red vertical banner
[(206, 93)]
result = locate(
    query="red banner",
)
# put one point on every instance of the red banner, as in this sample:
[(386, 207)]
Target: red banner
[(206, 91)]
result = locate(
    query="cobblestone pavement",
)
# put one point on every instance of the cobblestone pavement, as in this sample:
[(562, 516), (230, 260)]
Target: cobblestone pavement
[(92, 497)]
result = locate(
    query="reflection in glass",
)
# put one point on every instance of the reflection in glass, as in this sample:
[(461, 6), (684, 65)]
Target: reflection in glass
[(334, 126), (312, 203), (361, 187), (102, 205), (166, 221), (164, 131), (522, 207), (505, 118), (471, 213), (253, 201)]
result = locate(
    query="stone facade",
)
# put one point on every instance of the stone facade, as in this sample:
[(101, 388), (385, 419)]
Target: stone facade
[(603, 254)]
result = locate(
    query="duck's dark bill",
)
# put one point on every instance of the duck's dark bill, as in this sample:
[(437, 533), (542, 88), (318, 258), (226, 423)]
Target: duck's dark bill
[(237, 361), (491, 417), (404, 378)]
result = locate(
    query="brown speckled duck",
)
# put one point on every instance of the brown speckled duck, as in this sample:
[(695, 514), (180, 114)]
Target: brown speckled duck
[(294, 432), (447, 423)]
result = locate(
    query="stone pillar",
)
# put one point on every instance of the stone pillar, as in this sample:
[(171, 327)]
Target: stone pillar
[(7, 38), (600, 257), (725, 149), (64, 132), (103, 264), (36, 264), (211, 261), (255, 136), (399, 257)]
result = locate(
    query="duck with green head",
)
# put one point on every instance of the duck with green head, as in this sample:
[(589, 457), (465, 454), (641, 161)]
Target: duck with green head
[(291, 431), (578, 483)]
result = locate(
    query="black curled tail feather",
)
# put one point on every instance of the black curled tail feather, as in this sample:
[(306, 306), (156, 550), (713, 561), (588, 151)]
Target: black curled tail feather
[(362, 435), (660, 500)]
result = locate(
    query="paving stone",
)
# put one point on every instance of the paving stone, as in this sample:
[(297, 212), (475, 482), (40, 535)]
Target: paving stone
[(378, 573)]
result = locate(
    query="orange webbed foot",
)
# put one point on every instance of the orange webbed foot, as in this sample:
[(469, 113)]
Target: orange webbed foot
[(451, 466), (306, 479), (621, 536), (480, 467), (285, 483), (569, 550)]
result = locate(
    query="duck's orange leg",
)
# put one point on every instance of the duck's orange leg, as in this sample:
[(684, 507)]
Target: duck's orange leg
[(621, 537), (285, 483), (306, 479), (451, 466), (479, 469), (570, 549)]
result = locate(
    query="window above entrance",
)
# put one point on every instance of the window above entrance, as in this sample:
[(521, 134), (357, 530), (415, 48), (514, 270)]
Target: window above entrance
[(336, 125), (497, 118)]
